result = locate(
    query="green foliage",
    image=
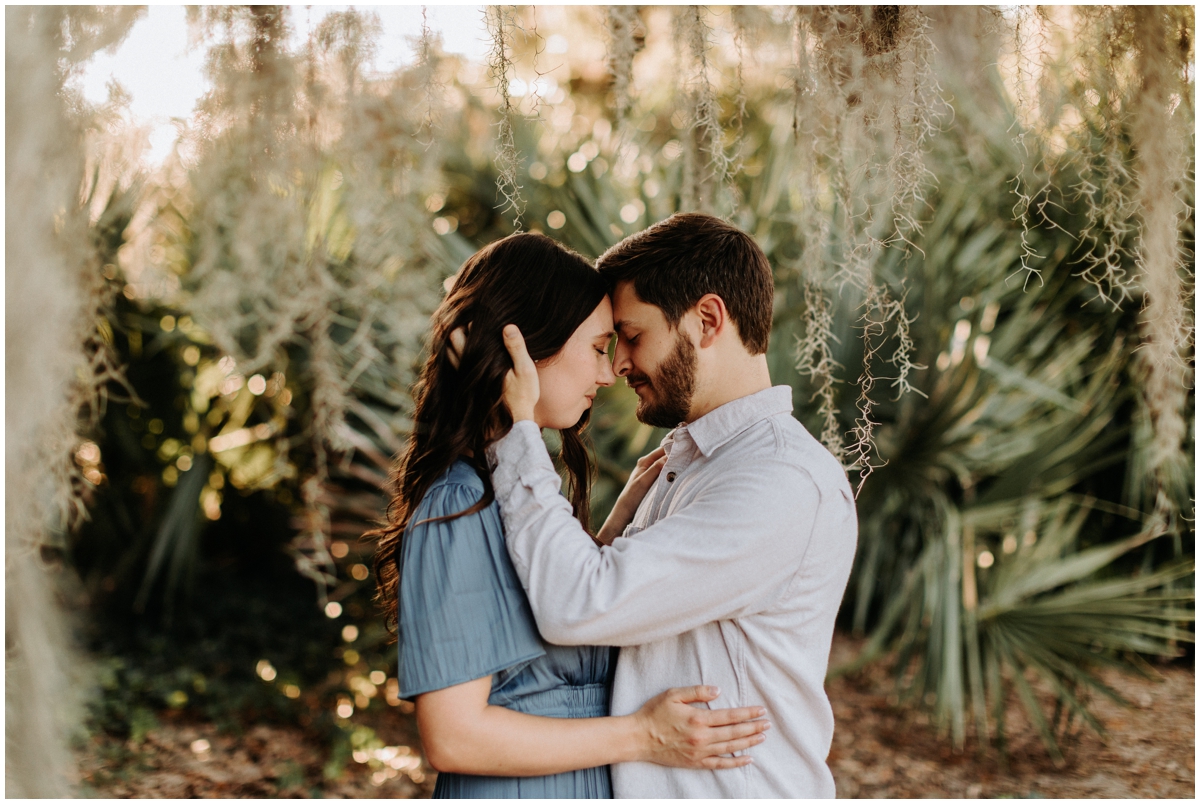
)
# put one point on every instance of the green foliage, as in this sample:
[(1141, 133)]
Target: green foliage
[(212, 661), (1012, 446), (988, 544), (1003, 532)]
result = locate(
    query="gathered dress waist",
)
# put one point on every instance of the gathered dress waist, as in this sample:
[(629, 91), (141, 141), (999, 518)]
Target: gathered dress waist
[(585, 700)]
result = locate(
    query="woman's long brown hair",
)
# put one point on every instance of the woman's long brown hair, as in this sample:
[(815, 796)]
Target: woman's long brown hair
[(525, 279)]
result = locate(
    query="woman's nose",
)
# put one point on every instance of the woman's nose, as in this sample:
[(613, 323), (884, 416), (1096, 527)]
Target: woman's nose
[(606, 377)]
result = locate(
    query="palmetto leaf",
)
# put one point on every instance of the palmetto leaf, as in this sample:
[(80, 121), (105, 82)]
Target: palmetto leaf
[(176, 545), (1000, 442), (1016, 423)]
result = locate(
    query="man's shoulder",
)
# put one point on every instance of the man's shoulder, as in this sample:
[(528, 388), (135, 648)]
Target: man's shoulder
[(781, 442)]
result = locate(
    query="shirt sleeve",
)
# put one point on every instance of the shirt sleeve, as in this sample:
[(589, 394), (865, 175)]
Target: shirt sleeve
[(462, 612), (728, 553)]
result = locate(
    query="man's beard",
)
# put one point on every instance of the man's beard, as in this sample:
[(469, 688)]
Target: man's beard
[(672, 386)]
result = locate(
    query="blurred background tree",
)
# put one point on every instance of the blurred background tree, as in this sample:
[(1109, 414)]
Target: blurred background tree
[(981, 225)]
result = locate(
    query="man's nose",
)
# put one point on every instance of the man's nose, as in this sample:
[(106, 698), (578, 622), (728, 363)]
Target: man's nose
[(621, 364)]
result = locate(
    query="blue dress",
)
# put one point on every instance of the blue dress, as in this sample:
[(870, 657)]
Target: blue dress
[(463, 615)]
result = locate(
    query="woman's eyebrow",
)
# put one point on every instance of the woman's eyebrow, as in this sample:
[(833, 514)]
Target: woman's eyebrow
[(606, 335)]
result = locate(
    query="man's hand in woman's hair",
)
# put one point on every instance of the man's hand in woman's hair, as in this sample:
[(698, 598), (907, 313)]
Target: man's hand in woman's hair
[(456, 344), (521, 387)]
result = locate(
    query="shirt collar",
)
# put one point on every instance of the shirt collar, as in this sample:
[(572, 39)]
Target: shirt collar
[(717, 427)]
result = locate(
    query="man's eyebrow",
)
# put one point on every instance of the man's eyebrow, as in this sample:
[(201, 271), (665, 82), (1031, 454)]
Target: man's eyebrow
[(620, 325)]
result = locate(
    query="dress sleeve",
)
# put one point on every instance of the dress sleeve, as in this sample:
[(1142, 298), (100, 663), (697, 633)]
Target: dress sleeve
[(463, 614)]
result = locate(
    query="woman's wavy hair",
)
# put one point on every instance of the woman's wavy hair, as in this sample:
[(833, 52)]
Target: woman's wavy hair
[(525, 279)]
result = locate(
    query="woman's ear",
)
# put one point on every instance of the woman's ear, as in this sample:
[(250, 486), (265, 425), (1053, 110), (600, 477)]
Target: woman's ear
[(713, 317)]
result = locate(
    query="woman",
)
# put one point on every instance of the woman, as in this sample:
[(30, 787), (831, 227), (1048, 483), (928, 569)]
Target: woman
[(502, 713)]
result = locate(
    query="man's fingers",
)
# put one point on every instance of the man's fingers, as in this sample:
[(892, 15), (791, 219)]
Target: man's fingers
[(521, 387), (515, 343), (458, 343), (726, 717)]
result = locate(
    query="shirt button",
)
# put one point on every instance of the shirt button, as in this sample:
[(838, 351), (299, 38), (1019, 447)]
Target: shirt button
[(670, 477)]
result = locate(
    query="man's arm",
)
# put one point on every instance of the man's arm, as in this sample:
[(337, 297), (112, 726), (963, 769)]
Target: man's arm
[(726, 554)]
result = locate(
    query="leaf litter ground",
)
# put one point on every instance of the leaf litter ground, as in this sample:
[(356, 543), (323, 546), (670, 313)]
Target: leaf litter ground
[(879, 751)]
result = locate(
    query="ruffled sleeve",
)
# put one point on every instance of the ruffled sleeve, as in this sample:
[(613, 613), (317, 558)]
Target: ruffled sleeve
[(462, 612)]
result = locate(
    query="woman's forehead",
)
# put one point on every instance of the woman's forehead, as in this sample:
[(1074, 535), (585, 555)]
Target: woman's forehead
[(600, 322)]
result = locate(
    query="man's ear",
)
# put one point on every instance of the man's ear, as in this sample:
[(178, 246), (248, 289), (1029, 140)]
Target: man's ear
[(713, 316)]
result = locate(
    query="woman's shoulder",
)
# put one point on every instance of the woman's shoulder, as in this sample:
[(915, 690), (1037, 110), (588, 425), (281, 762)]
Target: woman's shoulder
[(458, 482), (462, 614), (454, 491), (460, 473), (442, 542)]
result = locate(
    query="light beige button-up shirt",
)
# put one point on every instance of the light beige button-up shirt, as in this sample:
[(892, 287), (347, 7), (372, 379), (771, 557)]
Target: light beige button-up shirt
[(730, 574)]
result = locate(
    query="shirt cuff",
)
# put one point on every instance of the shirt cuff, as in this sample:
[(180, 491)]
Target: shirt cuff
[(510, 457)]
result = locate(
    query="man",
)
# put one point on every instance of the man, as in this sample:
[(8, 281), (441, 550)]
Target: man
[(733, 568)]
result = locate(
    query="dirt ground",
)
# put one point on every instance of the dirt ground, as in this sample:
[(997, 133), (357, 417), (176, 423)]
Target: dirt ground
[(183, 759), (878, 751)]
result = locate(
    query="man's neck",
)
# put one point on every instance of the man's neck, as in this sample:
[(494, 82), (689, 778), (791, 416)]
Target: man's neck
[(742, 379)]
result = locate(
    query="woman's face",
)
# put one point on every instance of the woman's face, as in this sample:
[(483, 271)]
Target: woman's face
[(570, 379)]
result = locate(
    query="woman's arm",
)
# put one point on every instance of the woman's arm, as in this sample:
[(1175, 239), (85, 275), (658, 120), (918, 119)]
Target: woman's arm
[(640, 480), (463, 734)]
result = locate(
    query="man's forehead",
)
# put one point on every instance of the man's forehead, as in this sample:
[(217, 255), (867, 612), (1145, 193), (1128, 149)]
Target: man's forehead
[(630, 311)]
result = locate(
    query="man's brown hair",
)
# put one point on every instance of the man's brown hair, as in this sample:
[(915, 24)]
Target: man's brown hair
[(678, 260)]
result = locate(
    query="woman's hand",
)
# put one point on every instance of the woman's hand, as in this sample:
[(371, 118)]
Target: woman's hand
[(521, 387), (462, 733), (683, 736), (640, 480)]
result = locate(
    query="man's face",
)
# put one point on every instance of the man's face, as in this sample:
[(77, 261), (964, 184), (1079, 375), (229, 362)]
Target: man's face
[(657, 361)]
